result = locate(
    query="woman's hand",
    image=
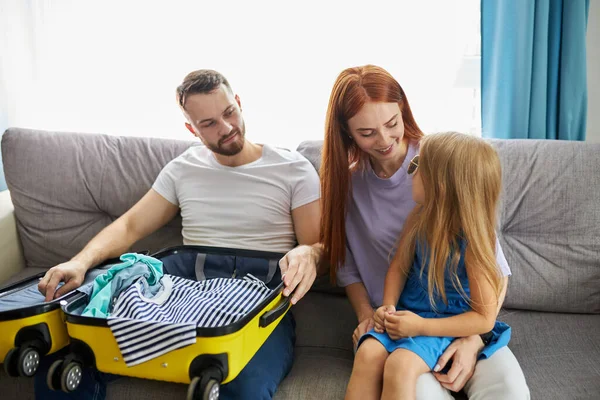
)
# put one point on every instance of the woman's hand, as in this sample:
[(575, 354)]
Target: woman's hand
[(403, 324), (363, 327), (463, 352)]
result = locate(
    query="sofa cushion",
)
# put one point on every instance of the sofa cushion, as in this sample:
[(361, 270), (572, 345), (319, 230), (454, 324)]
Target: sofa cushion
[(558, 353), (549, 222), (317, 374), (22, 275), (324, 321), (10, 247), (312, 150), (66, 187)]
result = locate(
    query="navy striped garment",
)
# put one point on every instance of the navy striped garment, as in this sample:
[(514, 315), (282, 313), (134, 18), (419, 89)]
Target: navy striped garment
[(146, 328)]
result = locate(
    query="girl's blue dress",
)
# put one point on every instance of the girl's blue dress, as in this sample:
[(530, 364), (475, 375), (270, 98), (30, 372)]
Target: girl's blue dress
[(415, 298)]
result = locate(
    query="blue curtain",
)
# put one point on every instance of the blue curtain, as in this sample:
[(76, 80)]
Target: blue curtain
[(533, 69)]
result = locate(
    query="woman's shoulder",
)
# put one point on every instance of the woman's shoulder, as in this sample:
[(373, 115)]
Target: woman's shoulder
[(358, 176), (413, 146)]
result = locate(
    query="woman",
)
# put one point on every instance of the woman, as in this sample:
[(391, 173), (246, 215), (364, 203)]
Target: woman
[(370, 137)]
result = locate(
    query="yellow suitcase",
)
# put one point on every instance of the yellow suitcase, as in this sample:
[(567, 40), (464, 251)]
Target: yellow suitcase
[(217, 357), (29, 327), (28, 331)]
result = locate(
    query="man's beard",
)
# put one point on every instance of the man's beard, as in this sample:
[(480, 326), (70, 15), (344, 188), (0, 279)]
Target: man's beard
[(232, 148)]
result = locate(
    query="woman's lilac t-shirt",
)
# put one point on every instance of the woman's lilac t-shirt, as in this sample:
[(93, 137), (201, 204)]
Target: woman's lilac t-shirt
[(376, 214)]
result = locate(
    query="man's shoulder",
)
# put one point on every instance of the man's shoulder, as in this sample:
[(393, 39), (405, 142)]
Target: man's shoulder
[(195, 154), (277, 155), (289, 163)]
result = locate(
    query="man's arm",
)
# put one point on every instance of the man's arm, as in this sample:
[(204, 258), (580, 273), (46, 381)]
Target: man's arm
[(307, 223), (145, 217), (300, 264)]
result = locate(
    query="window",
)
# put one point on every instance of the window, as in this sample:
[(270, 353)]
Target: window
[(112, 66)]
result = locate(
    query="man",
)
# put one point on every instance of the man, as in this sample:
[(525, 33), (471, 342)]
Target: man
[(232, 193)]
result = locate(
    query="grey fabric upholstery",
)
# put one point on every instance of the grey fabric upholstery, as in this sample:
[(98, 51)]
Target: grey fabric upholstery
[(26, 273), (66, 187), (550, 224), (558, 353)]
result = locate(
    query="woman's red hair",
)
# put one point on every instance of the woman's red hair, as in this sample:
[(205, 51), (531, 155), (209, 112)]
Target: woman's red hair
[(352, 89)]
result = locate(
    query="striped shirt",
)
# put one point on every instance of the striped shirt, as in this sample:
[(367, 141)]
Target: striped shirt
[(146, 328)]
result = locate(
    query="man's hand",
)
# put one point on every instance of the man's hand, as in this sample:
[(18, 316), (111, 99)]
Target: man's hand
[(299, 270), (379, 317), (463, 352), (363, 327), (71, 273), (402, 324)]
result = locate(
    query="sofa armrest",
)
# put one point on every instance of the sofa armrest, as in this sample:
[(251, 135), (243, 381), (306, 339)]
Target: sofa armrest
[(11, 259)]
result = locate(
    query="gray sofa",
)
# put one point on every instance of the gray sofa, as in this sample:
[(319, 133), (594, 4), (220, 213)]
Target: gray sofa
[(66, 187)]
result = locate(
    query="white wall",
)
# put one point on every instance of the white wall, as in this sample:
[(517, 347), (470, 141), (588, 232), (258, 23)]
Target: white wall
[(593, 70), (94, 70)]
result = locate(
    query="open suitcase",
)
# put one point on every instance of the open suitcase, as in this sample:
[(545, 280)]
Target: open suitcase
[(29, 327), (218, 355)]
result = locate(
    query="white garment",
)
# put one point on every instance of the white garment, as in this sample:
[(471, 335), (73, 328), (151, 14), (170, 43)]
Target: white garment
[(245, 207), (499, 377)]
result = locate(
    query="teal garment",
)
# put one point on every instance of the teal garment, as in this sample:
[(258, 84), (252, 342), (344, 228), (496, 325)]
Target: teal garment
[(119, 277)]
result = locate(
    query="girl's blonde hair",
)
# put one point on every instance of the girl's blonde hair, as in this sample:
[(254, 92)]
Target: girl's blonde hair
[(462, 179)]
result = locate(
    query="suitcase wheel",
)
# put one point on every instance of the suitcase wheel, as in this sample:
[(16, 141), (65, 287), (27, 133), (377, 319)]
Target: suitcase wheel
[(10, 362), (70, 376), (203, 389), (28, 362), (54, 374), (22, 361)]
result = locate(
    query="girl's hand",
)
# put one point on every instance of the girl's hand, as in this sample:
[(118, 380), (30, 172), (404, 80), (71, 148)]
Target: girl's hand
[(380, 317), (402, 324)]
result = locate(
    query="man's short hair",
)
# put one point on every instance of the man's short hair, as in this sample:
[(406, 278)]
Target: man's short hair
[(201, 81)]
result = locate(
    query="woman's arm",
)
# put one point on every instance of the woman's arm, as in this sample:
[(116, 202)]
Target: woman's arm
[(359, 299)]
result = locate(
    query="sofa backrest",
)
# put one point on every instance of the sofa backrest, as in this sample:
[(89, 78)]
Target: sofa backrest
[(66, 187), (549, 222)]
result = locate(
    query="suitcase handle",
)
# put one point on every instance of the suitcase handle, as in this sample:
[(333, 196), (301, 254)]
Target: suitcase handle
[(271, 316)]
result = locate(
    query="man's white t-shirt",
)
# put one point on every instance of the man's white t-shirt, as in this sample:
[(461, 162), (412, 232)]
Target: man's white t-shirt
[(244, 207)]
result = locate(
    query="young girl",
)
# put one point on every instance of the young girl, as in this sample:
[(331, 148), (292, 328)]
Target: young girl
[(443, 281)]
